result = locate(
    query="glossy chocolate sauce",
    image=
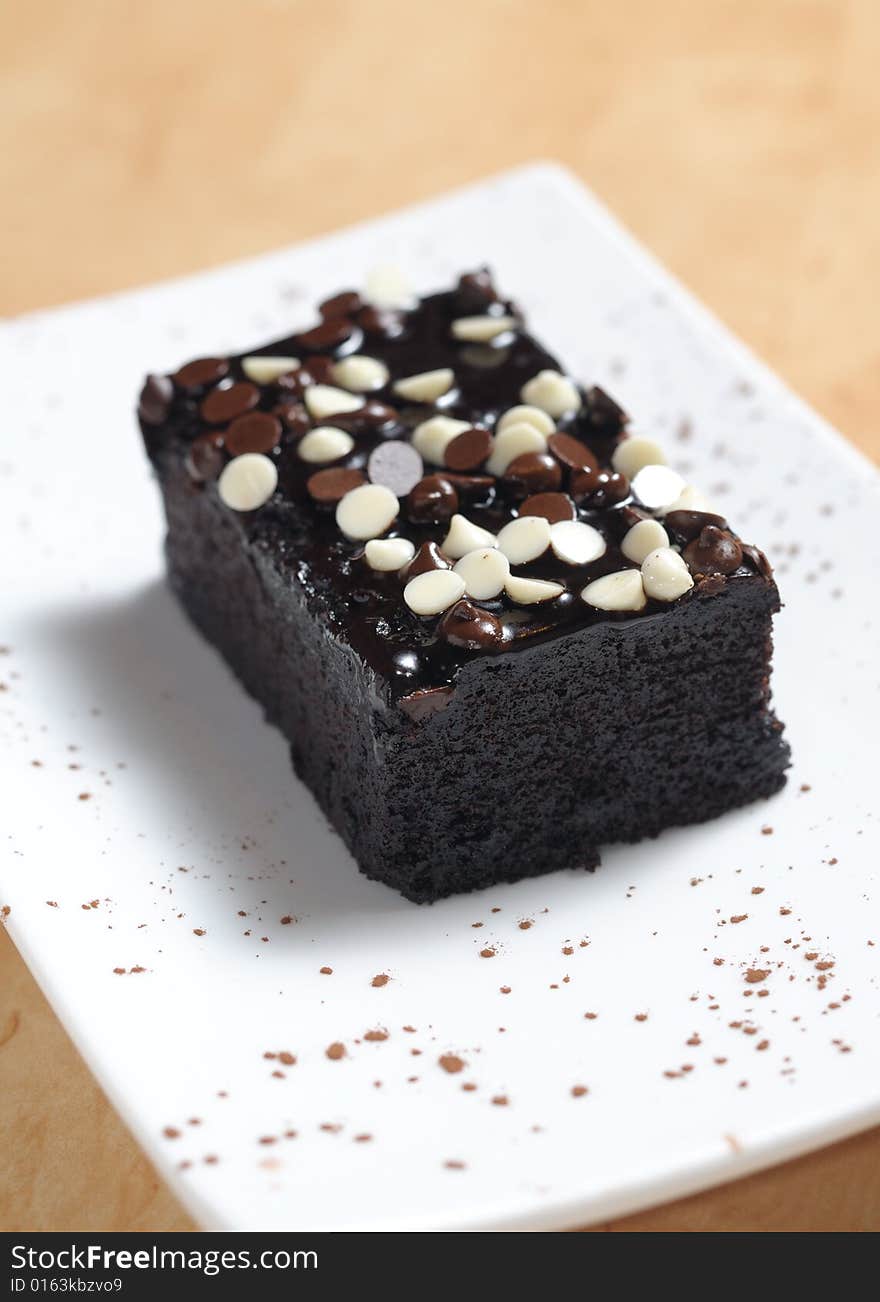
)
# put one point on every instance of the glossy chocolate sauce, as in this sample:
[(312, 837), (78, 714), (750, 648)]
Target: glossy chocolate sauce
[(212, 409)]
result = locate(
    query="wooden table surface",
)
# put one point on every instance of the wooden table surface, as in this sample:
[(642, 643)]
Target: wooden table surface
[(737, 138)]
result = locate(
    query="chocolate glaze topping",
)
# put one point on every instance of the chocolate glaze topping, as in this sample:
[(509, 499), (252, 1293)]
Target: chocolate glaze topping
[(209, 410)]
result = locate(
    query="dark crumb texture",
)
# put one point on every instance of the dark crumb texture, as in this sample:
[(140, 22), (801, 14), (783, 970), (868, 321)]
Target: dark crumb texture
[(448, 768)]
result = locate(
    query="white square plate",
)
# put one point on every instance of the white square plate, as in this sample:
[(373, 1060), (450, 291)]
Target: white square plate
[(180, 917)]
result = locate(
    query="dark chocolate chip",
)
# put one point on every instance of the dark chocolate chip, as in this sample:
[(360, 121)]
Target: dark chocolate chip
[(396, 465), (714, 551), (552, 506), (475, 291), (257, 431), (687, 524), (155, 399), (533, 472), (205, 370), (226, 404), (427, 558), (331, 485), (205, 458), (600, 415), (372, 415), (469, 449), (344, 304), (381, 321), (758, 559), (611, 487), (330, 333), (571, 452), (470, 627), (317, 370), (294, 416), (295, 382), (583, 482), (432, 501), (630, 515), (470, 485), (320, 369)]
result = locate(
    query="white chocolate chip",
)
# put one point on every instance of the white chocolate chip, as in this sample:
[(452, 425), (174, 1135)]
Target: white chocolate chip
[(247, 482), (690, 499), (360, 374), (386, 554), (425, 387), (657, 487), (526, 415), (322, 401), (665, 574), (528, 592), (464, 536), (525, 539), (620, 591), (513, 442), (325, 444), (643, 538), (433, 592), (480, 329), (367, 511), (633, 454), (485, 572), (388, 287), (552, 392), (266, 370), (433, 436), (576, 543)]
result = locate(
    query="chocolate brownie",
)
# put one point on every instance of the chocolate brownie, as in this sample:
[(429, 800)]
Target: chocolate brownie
[(496, 628)]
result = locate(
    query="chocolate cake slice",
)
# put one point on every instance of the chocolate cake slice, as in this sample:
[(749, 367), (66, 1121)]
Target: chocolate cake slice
[(497, 630)]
